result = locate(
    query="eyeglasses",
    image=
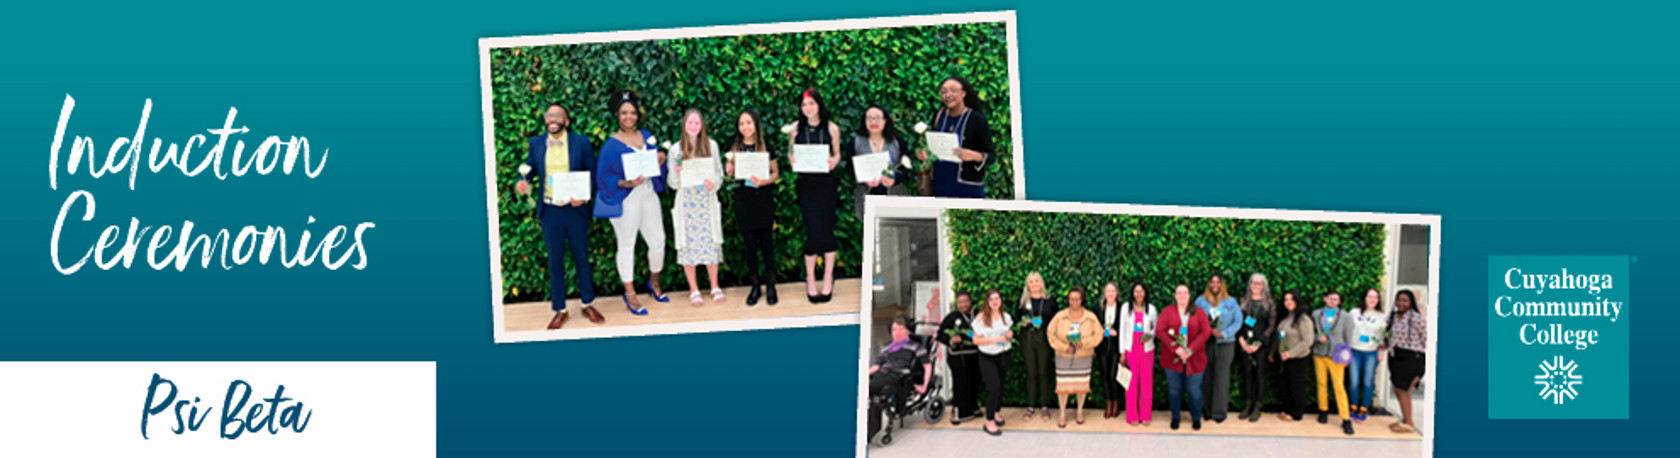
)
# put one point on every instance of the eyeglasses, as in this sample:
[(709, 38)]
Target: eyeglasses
[(874, 118), (943, 91)]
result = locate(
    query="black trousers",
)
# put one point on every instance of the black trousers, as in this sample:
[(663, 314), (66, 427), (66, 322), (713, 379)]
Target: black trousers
[(1294, 391), (1107, 359), (1041, 368), (965, 383), (760, 250), (994, 368), (1254, 376), (888, 384)]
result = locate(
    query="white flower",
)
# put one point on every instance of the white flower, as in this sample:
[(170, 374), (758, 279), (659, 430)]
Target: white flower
[(921, 127), (651, 140), (906, 161), (524, 169), (667, 145), (729, 156), (788, 129)]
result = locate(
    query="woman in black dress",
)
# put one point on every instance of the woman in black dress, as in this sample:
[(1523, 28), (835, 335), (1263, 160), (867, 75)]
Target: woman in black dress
[(755, 210), (819, 195)]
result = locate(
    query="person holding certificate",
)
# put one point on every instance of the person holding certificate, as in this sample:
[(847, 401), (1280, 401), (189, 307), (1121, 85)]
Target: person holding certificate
[(1183, 332), (876, 151), (1137, 351), (559, 154), (1108, 308), (1226, 318), (819, 193), (755, 204), (697, 217), (1255, 338), (961, 171), (628, 196)]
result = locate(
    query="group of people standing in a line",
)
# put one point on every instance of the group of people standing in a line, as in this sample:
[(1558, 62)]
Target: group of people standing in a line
[(1195, 340), (632, 203)]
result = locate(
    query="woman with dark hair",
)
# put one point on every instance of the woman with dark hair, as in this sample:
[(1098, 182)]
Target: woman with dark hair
[(1226, 317), (1074, 335), (1183, 331), (819, 194), (755, 209), (1405, 367), (963, 115), (632, 203), (1137, 353), (1295, 339), (879, 135)]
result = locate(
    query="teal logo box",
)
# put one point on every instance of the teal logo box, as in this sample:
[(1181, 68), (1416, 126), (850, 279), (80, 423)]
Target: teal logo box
[(1558, 337)]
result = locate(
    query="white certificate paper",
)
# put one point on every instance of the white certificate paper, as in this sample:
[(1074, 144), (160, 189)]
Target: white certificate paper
[(943, 144), (752, 165), (568, 186), (870, 167), (641, 164), (695, 171), (810, 158)]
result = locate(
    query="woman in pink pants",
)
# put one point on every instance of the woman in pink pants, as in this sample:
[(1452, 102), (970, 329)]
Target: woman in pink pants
[(1137, 350)]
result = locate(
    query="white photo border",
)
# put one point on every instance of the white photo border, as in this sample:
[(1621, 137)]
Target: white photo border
[(485, 45), (876, 207)]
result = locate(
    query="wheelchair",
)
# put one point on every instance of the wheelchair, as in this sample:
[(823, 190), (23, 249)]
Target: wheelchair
[(930, 405)]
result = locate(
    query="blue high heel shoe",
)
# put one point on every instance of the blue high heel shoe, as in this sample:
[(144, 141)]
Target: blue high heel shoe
[(633, 311), (656, 296)]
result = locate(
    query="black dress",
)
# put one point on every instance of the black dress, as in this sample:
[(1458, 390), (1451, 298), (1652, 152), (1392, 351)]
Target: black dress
[(818, 194)]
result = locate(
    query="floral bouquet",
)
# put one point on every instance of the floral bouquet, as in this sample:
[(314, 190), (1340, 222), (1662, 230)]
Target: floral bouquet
[(1181, 339)]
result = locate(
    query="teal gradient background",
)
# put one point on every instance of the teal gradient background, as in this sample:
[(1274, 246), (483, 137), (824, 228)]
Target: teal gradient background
[(1532, 128)]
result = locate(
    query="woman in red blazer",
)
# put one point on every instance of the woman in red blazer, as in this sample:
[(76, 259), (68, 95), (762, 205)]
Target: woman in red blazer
[(1183, 331)]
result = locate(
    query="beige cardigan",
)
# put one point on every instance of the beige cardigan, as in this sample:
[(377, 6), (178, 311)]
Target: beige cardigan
[(1090, 333)]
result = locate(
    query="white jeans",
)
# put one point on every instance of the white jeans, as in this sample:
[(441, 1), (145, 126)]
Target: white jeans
[(641, 214)]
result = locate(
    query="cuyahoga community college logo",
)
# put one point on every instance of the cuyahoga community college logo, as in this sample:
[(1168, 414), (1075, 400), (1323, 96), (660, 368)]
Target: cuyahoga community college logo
[(1558, 379)]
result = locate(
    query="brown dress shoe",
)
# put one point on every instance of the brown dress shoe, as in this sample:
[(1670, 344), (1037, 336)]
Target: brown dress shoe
[(593, 316), (558, 321)]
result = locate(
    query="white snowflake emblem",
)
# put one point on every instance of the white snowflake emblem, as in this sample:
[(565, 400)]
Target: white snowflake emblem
[(1557, 379)]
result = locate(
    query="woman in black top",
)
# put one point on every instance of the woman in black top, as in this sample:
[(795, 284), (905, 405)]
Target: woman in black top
[(1036, 309), (755, 210), (879, 135), (1108, 352), (962, 116), (819, 195), (957, 333)]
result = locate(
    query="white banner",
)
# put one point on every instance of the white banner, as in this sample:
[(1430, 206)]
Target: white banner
[(247, 409)]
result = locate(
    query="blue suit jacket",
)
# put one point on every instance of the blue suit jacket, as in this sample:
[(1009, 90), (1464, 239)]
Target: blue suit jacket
[(582, 156)]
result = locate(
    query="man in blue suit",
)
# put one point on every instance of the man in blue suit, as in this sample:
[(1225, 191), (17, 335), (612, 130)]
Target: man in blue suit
[(565, 222)]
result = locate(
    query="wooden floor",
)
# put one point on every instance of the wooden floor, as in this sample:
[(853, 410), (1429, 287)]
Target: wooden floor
[(534, 316), (1269, 425)]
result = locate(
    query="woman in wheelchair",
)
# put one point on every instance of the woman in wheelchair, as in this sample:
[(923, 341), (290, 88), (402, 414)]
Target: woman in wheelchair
[(901, 365)]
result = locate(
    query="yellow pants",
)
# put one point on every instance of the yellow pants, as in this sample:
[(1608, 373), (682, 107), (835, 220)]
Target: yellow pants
[(1327, 371)]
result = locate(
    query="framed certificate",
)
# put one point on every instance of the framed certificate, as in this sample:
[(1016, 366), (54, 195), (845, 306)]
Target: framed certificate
[(871, 166), (568, 186), (810, 158), (752, 165), (943, 145), (696, 170), (641, 164)]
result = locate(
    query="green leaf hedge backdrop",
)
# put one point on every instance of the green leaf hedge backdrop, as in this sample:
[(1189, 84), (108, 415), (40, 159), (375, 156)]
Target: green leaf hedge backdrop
[(899, 68), (997, 249)]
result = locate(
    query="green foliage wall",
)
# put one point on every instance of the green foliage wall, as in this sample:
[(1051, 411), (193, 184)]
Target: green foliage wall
[(997, 249), (899, 68)]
